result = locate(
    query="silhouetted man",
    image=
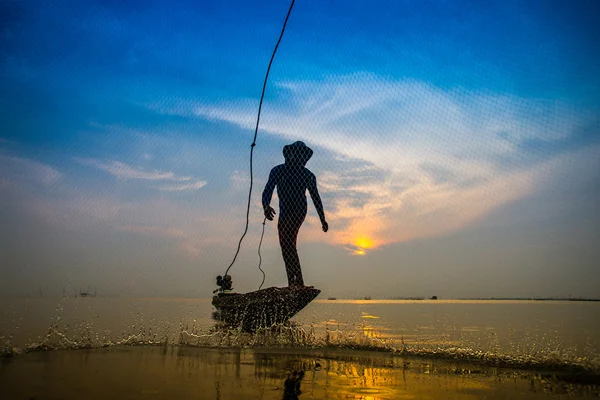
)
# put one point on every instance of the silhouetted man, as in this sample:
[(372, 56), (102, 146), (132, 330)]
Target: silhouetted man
[(292, 179)]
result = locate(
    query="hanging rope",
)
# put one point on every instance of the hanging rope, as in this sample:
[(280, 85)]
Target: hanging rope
[(262, 96), (259, 256)]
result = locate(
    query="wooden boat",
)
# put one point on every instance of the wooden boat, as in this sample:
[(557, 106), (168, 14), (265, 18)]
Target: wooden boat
[(262, 308)]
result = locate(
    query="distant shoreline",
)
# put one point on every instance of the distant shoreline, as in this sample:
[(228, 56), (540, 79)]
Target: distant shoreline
[(533, 298), (364, 298), (367, 298)]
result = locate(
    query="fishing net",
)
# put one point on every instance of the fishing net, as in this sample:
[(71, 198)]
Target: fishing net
[(416, 136), (447, 138)]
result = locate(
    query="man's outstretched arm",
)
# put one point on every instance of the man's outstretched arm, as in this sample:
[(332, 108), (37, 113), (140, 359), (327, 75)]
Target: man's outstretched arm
[(316, 198), (268, 194)]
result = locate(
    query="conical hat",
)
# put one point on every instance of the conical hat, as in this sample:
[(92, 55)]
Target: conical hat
[(297, 151)]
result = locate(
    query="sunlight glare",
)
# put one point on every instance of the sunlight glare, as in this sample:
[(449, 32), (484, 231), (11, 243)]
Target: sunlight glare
[(364, 243)]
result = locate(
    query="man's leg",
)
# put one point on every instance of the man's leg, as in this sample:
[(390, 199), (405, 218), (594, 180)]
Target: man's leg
[(288, 233)]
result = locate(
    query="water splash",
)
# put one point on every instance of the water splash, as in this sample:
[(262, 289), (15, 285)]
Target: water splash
[(83, 328)]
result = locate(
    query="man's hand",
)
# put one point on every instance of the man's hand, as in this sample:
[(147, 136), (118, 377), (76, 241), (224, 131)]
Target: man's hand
[(325, 226), (269, 213)]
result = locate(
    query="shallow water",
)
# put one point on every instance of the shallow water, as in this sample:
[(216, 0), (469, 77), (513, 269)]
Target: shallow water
[(534, 330), (463, 348), (186, 372)]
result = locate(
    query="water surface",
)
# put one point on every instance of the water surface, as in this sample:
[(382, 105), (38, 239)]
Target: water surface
[(343, 349)]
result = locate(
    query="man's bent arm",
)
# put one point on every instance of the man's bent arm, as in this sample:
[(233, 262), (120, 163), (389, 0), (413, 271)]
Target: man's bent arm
[(269, 188), (314, 194)]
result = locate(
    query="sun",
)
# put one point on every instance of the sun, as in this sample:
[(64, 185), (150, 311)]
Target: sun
[(364, 243), (361, 244)]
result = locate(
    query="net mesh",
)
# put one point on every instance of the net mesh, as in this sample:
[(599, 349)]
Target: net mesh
[(447, 138)]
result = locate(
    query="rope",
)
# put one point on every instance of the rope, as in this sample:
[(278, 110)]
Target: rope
[(262, 96), (259, 256)]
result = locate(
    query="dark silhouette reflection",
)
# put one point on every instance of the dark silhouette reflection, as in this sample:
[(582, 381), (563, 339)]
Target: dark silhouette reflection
[(291, 386), (292, 180)]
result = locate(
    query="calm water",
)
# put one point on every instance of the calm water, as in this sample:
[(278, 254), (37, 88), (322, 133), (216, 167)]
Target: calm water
[(357, 349)]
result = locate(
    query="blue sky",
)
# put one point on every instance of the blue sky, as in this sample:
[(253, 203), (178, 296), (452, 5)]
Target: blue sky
[(456, 145)]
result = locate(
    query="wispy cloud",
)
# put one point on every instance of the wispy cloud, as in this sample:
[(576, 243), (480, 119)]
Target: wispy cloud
[(124, 171), (31, 187), (185, 186), (410, 160), (369, 118), (40, 190), (75, 209), (23, 170), (240, 179)]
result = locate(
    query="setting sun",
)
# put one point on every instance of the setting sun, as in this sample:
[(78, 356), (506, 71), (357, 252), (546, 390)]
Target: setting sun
[(364, 243)]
